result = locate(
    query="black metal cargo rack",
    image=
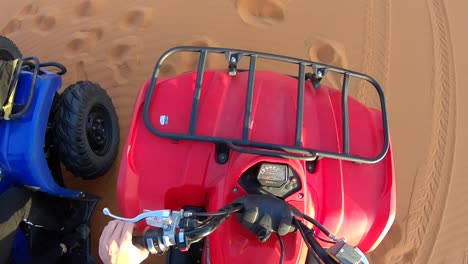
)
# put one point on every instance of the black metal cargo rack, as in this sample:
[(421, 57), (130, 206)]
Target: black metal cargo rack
[(245, 145)]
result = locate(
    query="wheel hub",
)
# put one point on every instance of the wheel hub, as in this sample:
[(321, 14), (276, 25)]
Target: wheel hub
[(99, 130)]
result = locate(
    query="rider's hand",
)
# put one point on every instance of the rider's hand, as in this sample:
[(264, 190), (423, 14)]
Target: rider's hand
[(265, 214), (115, 244)]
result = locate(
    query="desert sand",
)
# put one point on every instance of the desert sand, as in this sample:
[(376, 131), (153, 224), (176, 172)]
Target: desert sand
[(415, 49)]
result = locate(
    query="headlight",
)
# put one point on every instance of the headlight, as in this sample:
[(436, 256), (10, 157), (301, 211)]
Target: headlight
[(272, 175)]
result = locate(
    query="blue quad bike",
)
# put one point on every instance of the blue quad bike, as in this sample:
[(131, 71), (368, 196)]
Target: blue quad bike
[(41, 129)]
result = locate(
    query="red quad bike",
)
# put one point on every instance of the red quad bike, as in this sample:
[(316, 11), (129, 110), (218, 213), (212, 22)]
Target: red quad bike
[(306, 169)]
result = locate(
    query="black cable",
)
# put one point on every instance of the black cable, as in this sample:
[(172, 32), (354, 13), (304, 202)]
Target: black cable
[(306, 241), (281, 248), (222, 212), (317, 224), (209, 225), (197, 234), (325, 240), (318, 249), (312, 231), (209, 214)]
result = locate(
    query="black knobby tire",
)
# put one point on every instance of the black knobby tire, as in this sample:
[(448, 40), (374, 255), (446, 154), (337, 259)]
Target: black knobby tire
[(86, 130), (8, 49)]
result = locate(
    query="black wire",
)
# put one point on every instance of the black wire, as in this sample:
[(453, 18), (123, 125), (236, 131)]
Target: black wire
[(306, 241), (317, 224), (312, 231), (227, 211), (325, 240), (222, 212), (318, 249), (281, 248), (219, 213)]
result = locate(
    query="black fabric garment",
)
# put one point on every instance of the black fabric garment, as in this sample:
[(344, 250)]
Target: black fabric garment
[(16, 205)]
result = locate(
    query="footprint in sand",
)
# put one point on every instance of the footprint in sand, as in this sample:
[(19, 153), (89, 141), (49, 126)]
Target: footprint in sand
[(12, 26), (188, 61), (123, 59), (44, 22), (120, 51), (80, 71), (124, 72), (88, 8), (137, 18), (75, 46), (84, 9), (167, 70), (30, 9), (96, 32), (83, 41), (261, 13), (328, 52)]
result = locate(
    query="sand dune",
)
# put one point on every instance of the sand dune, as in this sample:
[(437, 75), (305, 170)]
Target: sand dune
[(415, 49)]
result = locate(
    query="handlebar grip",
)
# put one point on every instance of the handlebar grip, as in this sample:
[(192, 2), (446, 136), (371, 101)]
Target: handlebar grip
[(151, 241), (139, 242)]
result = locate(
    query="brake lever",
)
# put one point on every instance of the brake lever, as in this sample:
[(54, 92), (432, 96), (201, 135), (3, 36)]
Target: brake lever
[(159, 218), (165, 219)]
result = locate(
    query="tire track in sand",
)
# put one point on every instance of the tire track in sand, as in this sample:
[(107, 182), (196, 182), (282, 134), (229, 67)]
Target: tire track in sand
[(377, 51), (465, 256), (433, 179)]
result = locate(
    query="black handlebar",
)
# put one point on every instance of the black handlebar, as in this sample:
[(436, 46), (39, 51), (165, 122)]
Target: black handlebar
[(183, 238), (204, 230), (139, 242), (151, 240)]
